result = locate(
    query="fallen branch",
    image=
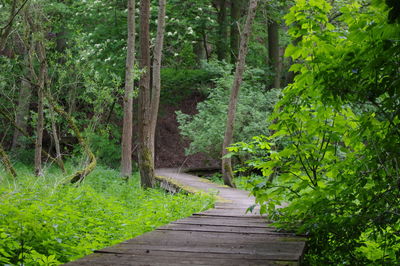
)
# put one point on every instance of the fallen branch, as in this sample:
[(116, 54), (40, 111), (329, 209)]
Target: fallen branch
[(7, 162), (80, 175)]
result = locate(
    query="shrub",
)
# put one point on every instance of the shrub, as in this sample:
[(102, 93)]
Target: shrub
[(337, 174), (180, 83), (205, 130)]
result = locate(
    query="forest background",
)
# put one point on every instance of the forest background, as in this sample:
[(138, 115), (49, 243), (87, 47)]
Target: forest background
[(316, 126)]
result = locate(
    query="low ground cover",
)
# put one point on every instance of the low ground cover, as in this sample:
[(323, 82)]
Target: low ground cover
[(43, 222)]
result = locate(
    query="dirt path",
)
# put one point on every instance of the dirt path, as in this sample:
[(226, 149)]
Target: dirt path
[(224, 235)]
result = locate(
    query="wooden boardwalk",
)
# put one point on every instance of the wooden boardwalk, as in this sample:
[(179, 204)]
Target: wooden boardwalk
[(225, 235)]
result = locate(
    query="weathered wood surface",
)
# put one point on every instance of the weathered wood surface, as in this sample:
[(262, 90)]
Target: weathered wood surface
[(225, 235)]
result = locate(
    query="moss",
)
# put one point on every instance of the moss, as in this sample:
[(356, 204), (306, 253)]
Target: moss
[(7, 162), (180, 187), (228, 174), (146, 168)]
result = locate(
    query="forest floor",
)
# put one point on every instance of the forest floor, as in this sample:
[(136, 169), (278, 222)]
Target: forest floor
[(170, 147)]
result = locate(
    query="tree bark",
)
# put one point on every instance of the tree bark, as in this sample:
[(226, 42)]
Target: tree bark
[(156, 84), (36, 48), (234, 36), (274, 58), (5, 31), (240, 66), (56, 139), (145, 156), (7, 163), (40, 119), (222, 31), (21, 117), (25, 133), (126, 158)]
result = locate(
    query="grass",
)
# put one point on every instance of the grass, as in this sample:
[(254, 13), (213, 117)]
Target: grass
[(45, 223)]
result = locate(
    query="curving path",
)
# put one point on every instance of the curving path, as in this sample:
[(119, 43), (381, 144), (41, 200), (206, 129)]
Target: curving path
[(225, 235)]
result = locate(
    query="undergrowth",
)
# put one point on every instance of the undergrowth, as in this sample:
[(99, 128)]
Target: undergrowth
[(45, 223)]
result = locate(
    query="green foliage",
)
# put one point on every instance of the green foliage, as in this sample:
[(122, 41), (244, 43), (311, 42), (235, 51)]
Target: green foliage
[(179, 83), (333, 159), (44, 223), (206, 129), (105, 145)]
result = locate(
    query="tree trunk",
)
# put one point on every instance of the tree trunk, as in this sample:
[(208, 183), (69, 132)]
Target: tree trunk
[(240, 66), (156, 84), (25, 133), (21, 117), (145, 156), (274, 58), (126, 159), (40, 120), (222, 31), (7, 163), (234, 37), (5, 31), (205, 44), (56, 139)]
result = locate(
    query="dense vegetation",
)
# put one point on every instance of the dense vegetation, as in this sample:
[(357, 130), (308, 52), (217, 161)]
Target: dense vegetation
[(316, 128), (335, 151), (45, 223)]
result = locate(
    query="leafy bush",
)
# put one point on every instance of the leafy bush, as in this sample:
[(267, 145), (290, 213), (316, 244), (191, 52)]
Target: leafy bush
[(180, 83), (45, 223), (105, 145), (206, 129), (337, 171)]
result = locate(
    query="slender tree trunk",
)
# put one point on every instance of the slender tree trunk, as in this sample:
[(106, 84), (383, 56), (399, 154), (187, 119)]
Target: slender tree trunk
[(21, 117), (126, 159), (204, 37), (274, 58), (36, 46), (7, 163), (56, 139), (234, 37), (240, 66), (40, 120), (156, 84), (7, 29), (222, 31), (145, 156), (25, 133)]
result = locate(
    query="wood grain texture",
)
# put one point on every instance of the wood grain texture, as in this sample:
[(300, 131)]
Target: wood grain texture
[(225, 235)]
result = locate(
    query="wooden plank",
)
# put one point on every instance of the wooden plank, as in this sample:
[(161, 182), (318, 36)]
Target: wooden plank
[(162, 236), (232, 212), (224, 229), (226, 214), (111, 259), (217, 221), (178, 253), (226, 235), (268, 251), (248, 245)]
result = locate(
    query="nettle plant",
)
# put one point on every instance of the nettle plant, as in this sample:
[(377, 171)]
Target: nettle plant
[(333, 159)]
